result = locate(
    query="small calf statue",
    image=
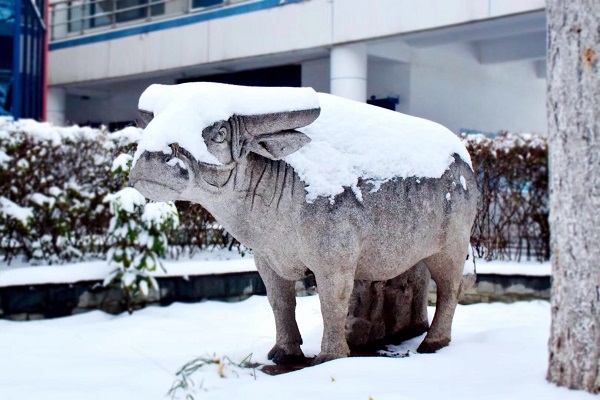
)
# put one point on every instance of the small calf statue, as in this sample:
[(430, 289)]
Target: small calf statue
[(245, 154)]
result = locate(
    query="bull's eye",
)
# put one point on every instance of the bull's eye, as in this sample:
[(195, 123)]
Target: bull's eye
[(220, 135)]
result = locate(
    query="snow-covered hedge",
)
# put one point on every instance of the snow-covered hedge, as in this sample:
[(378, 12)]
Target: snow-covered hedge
[(137, 233), (53, 182), (512, 175)]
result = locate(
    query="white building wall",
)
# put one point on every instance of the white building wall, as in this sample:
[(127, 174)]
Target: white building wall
[(276, 30), (289, 28), (356, 19), (449, 86), (272, 31), (443, 83)]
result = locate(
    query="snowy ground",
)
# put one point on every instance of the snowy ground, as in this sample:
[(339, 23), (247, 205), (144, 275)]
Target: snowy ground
[(212, 262), (498, 350), (204, 263), (528, 268)]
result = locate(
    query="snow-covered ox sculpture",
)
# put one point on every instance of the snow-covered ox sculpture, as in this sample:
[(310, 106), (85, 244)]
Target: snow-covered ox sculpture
[(314, 182)]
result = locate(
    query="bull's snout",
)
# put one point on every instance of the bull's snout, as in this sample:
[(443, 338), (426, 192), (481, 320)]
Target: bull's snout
[(159, 177)]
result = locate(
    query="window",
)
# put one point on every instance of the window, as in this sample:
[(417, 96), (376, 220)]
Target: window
[(206, 3)]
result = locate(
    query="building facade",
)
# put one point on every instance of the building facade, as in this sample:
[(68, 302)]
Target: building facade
[(467, 64), (23, 53)]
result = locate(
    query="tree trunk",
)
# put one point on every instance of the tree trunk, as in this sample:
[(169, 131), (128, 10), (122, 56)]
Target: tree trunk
[(573, 101)]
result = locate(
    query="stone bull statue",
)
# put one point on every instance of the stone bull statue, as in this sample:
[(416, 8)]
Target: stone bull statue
[(205, 145)]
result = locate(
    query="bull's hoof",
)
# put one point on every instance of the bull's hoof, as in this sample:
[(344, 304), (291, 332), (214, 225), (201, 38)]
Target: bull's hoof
[(432, 345), (282, 357)]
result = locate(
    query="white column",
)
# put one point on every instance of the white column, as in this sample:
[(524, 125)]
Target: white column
[(348, 75), (56, 105)]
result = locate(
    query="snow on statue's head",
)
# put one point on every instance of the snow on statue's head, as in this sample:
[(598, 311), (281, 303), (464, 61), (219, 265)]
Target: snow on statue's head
[(197, 130)]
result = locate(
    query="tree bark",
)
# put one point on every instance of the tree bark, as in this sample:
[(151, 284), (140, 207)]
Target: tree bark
[(573, 103)]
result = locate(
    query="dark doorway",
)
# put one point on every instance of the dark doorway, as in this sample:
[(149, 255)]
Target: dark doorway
[(287, 75)]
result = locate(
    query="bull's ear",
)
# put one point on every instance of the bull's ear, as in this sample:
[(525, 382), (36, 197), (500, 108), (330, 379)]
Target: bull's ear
[(277, 145), (271, 135)]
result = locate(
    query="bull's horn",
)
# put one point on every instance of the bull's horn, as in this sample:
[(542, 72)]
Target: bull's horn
[(277, 122)]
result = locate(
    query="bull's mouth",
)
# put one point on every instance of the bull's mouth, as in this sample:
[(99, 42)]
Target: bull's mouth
[(156, 191), (151, 182)]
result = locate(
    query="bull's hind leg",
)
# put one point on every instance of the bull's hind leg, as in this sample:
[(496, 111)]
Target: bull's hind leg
[(282, 297), (446, 271)]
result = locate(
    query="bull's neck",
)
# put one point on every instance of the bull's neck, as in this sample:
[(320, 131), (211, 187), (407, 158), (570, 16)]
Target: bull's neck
[(259, 195), (267, 186)]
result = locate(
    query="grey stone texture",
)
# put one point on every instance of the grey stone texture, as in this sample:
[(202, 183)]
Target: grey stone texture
[(388, 311), (260, 199)]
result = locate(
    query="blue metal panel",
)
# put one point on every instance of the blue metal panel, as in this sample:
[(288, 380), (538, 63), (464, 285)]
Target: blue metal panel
[(7, 17), (28, 55), (171, 23), (16, 80)]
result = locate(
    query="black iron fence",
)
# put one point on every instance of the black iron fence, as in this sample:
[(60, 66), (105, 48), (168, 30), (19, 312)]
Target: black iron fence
[(512, 177)]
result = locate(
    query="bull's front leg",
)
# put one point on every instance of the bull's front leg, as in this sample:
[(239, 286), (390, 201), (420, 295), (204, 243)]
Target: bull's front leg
[(334, 290), (282, 297)]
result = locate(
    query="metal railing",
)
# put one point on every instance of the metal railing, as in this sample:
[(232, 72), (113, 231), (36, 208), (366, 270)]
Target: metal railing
[(70, 18)]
